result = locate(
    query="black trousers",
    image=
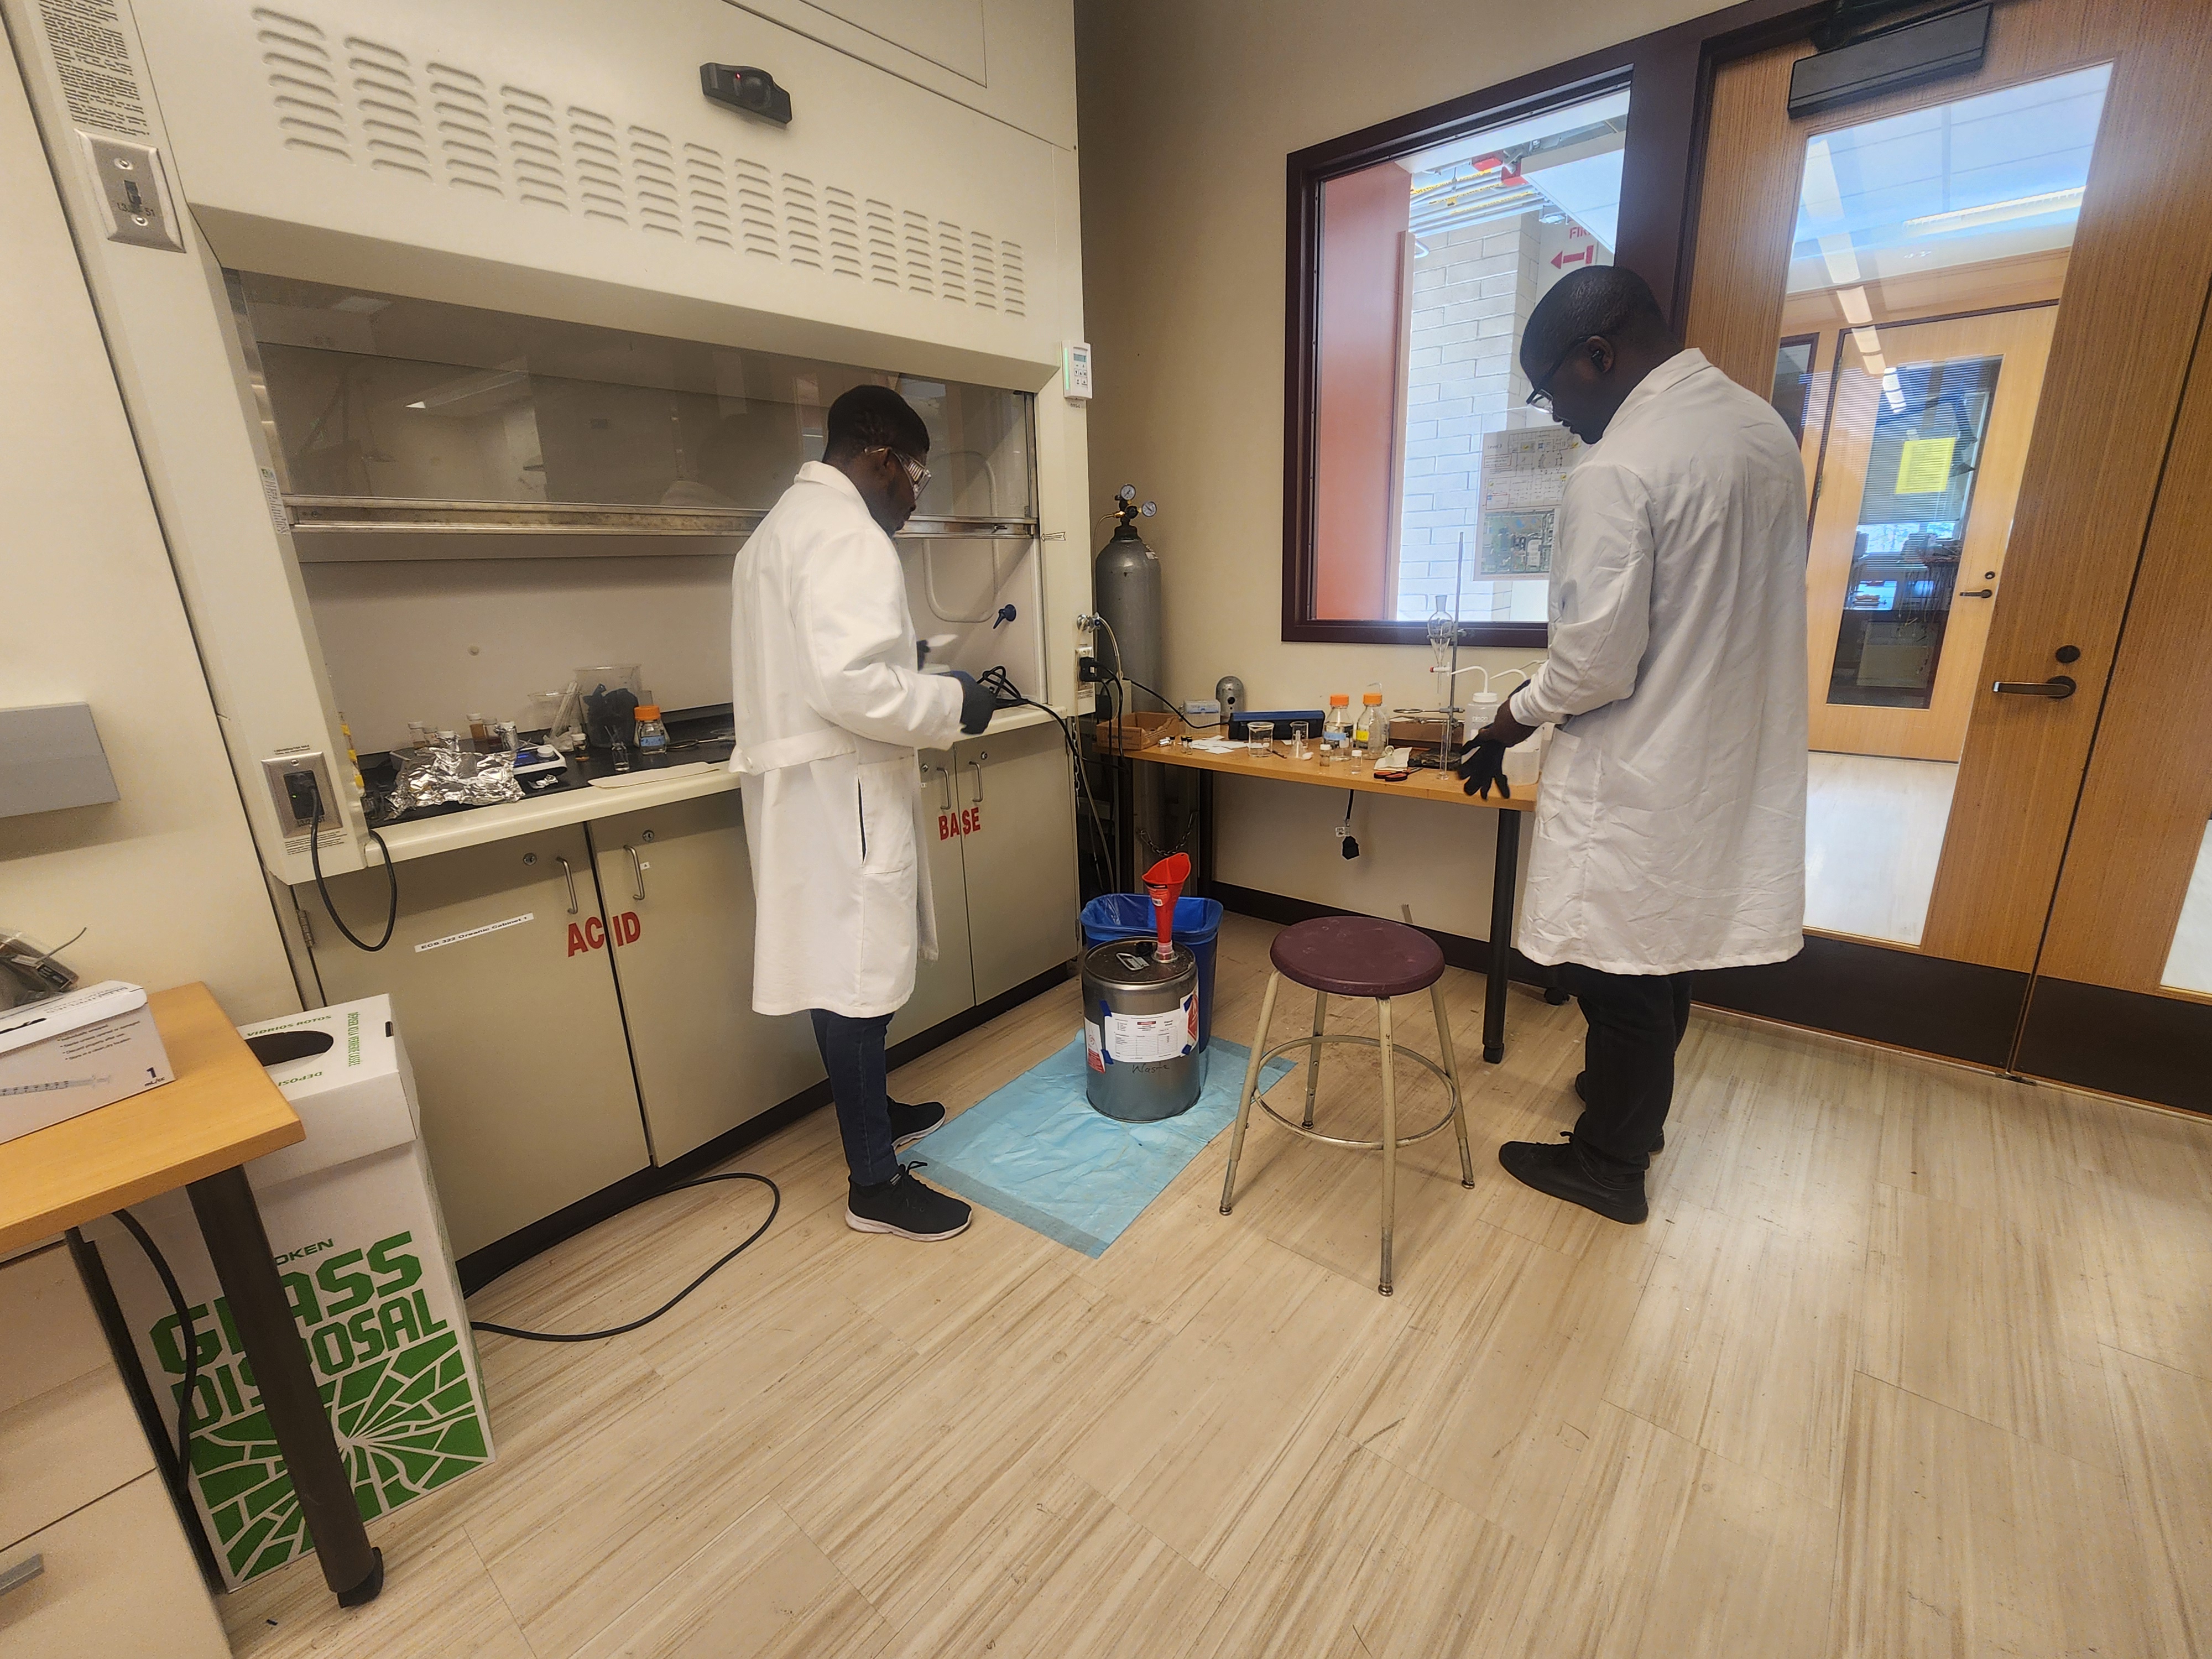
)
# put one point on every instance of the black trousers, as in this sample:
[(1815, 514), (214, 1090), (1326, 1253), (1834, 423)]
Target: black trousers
[(1635, 1023), (853, 1052)]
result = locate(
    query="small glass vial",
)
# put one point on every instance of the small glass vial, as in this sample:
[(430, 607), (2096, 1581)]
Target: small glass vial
[(419, 736), (652, 736)]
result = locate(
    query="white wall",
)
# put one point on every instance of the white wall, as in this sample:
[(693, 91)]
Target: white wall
[(1187, 109), (164, 881)]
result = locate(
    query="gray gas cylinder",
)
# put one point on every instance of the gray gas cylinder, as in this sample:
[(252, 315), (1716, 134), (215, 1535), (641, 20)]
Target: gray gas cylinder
[(1125, 585), (1141, 1031)]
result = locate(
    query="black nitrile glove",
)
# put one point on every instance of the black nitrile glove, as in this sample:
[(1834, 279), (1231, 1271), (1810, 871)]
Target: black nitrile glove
[(976, 705), (1481, 764)]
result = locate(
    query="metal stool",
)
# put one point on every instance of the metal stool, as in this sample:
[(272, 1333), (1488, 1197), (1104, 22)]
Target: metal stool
[(1356, 957)]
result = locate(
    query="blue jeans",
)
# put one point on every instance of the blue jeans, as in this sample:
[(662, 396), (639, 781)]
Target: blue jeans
[(853, 1050)]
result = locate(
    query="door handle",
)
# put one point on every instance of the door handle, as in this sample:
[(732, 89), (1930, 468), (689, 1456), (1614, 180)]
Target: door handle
[(2058, 686), (976, 767), (15, 1578), (636, 874), (1978, 592), (569, 876), (945, 782)]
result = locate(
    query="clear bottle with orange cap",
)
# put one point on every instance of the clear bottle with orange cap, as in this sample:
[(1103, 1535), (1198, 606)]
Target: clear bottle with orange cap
[(1336, 730), (1370, 732), (652, 736)]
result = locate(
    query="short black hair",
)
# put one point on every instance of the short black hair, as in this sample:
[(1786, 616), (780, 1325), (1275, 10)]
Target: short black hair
[(1608, 300), (874, 417)]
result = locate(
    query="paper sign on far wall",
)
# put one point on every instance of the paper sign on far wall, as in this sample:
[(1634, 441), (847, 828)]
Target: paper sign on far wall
[(1923, 466)]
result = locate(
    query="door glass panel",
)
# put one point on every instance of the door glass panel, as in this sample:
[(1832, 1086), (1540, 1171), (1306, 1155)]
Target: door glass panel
[(1927, 261), (2189, 963)]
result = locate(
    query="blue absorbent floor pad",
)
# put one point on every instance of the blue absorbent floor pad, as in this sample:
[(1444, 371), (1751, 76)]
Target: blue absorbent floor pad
[(1037, 1152)]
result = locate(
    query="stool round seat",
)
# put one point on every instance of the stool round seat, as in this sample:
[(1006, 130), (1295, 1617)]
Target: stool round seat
[(1357, 957)]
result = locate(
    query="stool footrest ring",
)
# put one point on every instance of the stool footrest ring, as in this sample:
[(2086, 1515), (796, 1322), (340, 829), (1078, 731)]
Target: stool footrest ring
[(1451, 1094)]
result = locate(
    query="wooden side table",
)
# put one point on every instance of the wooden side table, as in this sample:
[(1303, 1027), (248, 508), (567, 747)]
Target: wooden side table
[(197, 1133)]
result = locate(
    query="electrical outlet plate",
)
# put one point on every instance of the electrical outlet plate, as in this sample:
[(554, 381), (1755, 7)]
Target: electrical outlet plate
[(134, 192), (274, 769)]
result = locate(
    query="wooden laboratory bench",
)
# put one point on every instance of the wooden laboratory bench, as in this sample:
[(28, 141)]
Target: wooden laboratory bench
[(1429, 784), (221, 1112)]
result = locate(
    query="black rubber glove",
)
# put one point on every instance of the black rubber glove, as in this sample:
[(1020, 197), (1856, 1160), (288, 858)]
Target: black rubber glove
[(976, 705), (1481, 764)]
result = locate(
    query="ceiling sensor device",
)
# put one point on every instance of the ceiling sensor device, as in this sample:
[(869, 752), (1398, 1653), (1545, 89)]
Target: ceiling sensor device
[(748, 90)]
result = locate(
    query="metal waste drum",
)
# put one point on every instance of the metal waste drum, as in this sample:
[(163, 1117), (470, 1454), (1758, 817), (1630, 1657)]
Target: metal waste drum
[(1141, 1031)]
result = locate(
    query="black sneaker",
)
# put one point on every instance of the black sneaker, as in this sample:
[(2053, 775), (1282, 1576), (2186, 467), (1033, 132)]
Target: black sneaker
[(1658, 1146), (1563, 1172), (905, 1208), (910, 1124)]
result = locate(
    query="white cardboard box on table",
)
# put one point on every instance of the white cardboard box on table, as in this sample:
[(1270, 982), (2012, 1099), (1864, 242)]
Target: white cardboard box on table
[(76, 1053), (353, 1221)]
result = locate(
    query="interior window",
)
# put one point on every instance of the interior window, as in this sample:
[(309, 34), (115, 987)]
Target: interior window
[(1435, 487)]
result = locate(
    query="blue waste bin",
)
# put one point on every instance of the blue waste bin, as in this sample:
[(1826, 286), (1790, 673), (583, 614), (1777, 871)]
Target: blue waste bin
[(1129, 915)]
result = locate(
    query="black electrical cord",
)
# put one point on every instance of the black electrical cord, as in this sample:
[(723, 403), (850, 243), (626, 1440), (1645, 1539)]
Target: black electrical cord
[(315, 859), (1167, 704), (186, 1335), (776, 1194), (1000, 685)]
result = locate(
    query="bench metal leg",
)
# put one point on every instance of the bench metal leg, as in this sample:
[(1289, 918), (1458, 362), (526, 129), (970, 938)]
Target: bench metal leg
[(1251, 1086), (1451, 1071), (1313, 1052), (1389, 1141)]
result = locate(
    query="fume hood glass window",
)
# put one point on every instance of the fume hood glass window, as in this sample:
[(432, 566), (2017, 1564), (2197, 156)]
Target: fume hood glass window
[(380, 399), (1435, 488)]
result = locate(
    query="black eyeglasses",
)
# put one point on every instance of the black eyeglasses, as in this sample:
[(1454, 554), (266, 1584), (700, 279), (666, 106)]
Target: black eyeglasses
[(915, 470), (1539, 395)]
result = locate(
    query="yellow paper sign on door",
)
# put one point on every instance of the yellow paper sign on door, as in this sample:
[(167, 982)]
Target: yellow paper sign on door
[(1923, 466)]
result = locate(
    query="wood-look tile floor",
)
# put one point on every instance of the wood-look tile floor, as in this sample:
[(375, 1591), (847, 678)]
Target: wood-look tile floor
[(1908, 1360)]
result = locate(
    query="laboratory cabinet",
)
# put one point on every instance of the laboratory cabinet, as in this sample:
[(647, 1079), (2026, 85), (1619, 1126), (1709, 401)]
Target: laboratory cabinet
[(947, 986), (677, 885), (94, 1558), (498, 978), (1014, 802)]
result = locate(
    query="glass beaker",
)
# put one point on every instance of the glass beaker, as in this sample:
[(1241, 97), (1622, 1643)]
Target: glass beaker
[(1299, 750), (1260, 736)]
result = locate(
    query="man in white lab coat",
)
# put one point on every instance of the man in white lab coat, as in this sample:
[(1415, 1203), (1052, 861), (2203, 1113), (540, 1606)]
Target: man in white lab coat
[(831, 707), (1670, 815)]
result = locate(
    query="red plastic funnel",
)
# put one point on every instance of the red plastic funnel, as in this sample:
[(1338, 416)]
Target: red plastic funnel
[(1163, 881)]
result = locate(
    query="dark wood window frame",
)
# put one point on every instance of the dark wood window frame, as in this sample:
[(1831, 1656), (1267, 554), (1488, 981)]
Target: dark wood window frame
[(1668, 75)]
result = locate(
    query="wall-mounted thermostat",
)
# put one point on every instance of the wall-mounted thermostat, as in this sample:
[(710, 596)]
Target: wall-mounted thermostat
[(1075, 370)]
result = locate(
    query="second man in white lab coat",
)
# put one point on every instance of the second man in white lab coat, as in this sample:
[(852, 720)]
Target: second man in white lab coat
[(1670, 816), (831, 707)]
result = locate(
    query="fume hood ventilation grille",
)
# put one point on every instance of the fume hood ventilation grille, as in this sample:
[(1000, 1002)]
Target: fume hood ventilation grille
[(346, 98)]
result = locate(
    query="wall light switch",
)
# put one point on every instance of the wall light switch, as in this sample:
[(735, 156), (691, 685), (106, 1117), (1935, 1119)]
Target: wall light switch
[(1075, 370)]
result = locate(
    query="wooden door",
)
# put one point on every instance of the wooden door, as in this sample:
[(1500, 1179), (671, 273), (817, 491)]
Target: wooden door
[(1772, 230), (498, 977), (680, 919), (2122, 993), (1018, 855), (1895, 634)]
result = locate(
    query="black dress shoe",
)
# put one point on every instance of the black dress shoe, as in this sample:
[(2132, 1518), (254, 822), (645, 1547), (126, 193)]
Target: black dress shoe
[(910, 1124), (1657, 1147), (1564, 1172)]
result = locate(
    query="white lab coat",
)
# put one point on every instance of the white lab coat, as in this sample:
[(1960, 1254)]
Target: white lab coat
[(829, 710), (1670, 816)]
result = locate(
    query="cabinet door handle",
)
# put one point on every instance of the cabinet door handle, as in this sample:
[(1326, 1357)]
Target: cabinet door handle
[(15, 1578), (569, 876), (1978, 592), (2058, 685), (976, 767), (945, 782), (636, 874)]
